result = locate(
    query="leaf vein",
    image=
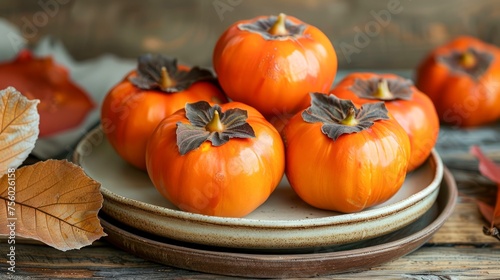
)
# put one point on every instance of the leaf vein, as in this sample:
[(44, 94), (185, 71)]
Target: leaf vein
[(15, 117), (18, 140), (53, 216)]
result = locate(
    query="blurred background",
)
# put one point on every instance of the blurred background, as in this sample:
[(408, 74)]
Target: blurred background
[(388, 34)]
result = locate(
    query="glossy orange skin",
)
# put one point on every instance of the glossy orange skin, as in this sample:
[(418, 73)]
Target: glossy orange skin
[(417, 116), (354, 172), (231, 180), (461, 100), (129, 114), (274, 76)]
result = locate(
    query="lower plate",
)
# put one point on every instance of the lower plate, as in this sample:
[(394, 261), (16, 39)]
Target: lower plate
[(295, 263)]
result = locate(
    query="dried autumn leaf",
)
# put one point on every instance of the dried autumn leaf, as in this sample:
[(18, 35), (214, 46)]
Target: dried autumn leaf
[(19, 121), (492, 171), (55, 202)]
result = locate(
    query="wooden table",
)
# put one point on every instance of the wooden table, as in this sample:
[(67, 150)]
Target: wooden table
[(459, 250)]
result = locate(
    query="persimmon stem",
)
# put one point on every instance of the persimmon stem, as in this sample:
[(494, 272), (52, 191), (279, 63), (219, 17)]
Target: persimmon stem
[(383, 91), (215, 125), (350, 120), (166, 81), (279, 27), (467, 59)]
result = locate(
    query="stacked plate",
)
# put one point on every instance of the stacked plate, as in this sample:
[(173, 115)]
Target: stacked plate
[(282, 238)]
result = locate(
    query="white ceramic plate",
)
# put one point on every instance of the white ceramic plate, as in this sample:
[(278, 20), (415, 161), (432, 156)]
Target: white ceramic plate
[(282, 222)]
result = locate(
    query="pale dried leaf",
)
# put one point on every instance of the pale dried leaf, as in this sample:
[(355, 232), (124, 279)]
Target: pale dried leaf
[(19, 121), (55, 202)]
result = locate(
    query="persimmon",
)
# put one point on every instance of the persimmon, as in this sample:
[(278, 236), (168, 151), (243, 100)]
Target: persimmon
[(216, 160), (272, 63), (461, 78), (413, 109), (156, 89), (342, 158)]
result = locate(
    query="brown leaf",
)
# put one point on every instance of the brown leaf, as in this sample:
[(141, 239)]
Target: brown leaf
[(19, 121), (53, 202)]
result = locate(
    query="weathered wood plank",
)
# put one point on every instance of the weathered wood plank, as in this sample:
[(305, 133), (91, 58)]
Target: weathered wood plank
[(454, 144), (429, 262), (464, 226), (440, 263)]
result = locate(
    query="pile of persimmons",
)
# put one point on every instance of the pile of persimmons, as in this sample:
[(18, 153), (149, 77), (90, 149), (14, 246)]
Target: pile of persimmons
[(219, 145)]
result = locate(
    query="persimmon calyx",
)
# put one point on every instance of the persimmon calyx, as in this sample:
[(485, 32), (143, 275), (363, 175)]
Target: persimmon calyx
[(471, 62), (339, 117), (209, 123), (384, 89), (158, 72), (274, 27)]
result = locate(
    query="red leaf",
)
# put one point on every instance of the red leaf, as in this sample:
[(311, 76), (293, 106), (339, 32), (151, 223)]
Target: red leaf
[(63, 104), (486, 210), (486, 166), (492, 171)]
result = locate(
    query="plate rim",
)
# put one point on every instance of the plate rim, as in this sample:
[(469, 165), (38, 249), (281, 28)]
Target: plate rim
[(375, 213), (412, 242)]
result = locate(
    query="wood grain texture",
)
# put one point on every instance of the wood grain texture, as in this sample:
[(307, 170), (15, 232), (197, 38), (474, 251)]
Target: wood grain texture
[(188, 29), (464, 226), (41, 262)]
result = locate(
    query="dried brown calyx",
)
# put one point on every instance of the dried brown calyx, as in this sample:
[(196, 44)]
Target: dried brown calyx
[(210, 123), (340, 116), (158, 72), (385, 89), (472, 62), (274, 27)]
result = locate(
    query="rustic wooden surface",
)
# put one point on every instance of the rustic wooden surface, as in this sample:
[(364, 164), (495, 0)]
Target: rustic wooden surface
[(459, 250)]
